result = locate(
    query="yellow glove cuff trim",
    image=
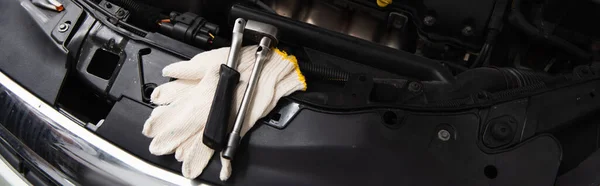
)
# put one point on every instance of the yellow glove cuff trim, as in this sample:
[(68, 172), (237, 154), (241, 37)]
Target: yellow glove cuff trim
[(294, 61)]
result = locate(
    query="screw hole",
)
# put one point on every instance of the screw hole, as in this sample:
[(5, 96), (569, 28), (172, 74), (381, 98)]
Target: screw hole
[(108, 5), (490, 171), (259, 49), (148, 89), (592, 94), (239, 22), (390, 118)]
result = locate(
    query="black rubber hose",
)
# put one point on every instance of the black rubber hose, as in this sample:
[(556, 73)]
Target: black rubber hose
[(141, 14), (516, 78), (484, 79), (467, 83), (517, 19), (479, 79), (494, 27)]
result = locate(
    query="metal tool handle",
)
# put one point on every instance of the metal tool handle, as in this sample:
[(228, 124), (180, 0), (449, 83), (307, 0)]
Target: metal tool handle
[(234, 138), (236, 43), (218, 119)]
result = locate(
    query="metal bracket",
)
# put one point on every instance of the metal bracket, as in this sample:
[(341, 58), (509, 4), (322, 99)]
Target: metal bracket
[(281, 116), (115, 10)]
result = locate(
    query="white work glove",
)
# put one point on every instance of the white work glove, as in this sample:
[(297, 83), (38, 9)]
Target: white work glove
[(178, 124)]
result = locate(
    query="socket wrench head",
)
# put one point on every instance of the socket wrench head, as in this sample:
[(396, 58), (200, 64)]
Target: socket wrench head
[(257, 30)]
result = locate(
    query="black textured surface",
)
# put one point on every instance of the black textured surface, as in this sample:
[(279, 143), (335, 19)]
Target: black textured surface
[(578, 142), (123, 126), (357, 149), (587, 173), (28, 55), (319, 148), (128, 78), (220, 110)]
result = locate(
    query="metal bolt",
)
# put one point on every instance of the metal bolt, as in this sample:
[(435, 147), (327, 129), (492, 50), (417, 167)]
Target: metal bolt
[(467, 31), (429, 20), (398, 20), (501, 131), (415, 87), (110, 44), (444, 135), (63, 27), (120, 13)]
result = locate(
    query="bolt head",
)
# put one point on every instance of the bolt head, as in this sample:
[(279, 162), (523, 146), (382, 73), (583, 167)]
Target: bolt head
[(120, 13), (429, 20), (444, 135), (398, 24), (467, 31), (501, 131), (63, 27), (415, 87)]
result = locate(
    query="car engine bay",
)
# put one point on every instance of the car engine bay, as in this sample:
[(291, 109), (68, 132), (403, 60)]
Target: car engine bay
[(421, 92)]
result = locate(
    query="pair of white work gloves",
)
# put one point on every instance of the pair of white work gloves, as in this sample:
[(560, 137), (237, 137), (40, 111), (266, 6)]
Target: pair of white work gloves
[(177, 124)]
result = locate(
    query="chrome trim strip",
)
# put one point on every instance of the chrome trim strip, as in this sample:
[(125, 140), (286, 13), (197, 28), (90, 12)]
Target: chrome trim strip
[(90, 152)]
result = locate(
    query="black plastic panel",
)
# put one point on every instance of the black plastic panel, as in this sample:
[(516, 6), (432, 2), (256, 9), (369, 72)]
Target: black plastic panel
[(320, 148), (28, 55), (129, 80), (587, 173), (129, 65), (123, 126), (358, 149)]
